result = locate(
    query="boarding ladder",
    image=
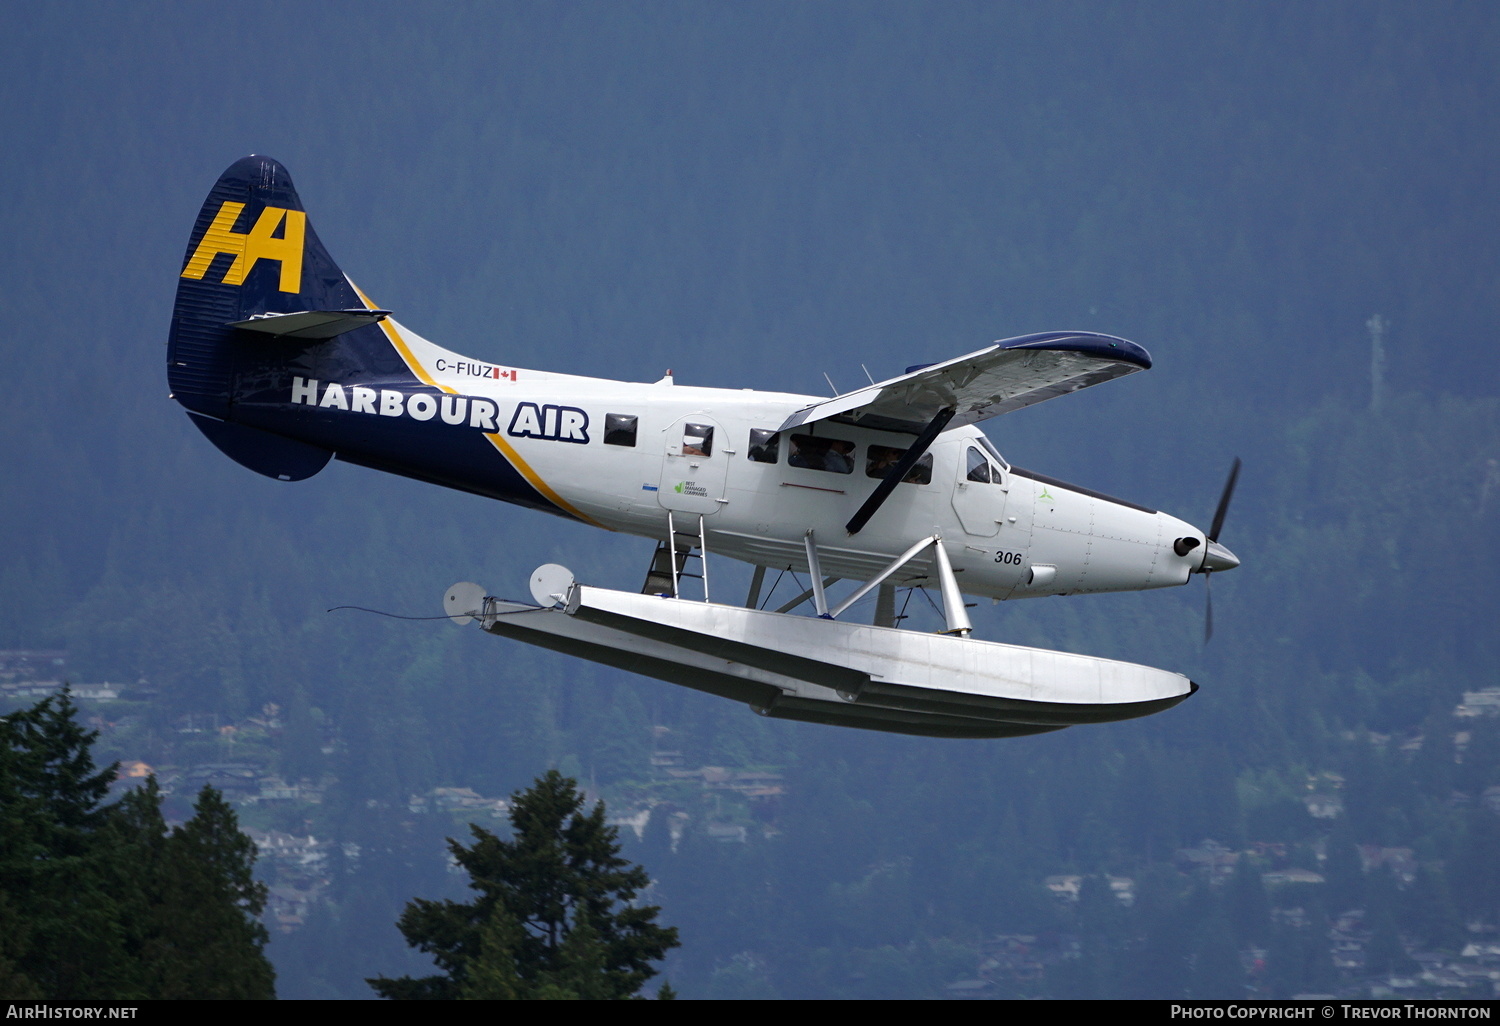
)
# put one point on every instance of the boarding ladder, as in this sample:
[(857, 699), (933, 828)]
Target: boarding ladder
[(669, 564)]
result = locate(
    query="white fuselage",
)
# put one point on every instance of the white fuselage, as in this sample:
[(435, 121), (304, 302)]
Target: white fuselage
[(1009, 537)]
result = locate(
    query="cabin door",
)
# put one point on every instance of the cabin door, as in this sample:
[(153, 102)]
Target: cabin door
[(978, 493), (694, 466)]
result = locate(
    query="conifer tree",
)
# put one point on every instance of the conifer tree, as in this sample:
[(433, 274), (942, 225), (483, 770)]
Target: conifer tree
[(207, 910), (98, 901), (491, 972), (553, 917), (14, 935), (55, 877)]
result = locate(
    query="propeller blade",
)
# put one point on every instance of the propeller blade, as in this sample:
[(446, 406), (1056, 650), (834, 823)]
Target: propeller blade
[(1208, 609), (1218, 524)]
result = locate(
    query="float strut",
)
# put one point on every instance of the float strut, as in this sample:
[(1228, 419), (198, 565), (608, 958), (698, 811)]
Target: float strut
[(820, 598), (878, 579), (752, 601), (953, 599)]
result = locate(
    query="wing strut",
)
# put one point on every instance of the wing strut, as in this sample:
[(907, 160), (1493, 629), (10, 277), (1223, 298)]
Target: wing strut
[(903, 467)]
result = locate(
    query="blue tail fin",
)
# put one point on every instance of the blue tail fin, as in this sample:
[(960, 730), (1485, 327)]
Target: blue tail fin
[(278, 357), (252, 253)]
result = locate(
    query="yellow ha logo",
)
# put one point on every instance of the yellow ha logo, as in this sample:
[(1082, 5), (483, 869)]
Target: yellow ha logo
[(258, 245)]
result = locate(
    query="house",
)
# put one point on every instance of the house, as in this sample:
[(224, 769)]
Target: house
[(464, 800), (635, 821), (235, 781), (1485, 702), (751, 783), (446, 799), (1402, 862), (1283, 877), (1323, 805), (105, 692), (1064, 887), (31, 689), (1123, 888), (728, 833), (274, 789), (1210, 857), (1297, 918), (968, 990), (1011, 956), (33, 664)]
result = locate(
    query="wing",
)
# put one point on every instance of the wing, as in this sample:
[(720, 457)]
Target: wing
[(1004, 377)]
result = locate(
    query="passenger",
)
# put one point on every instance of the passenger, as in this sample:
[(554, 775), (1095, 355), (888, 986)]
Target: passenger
[(794, 455), (882, 459), (840, 457)]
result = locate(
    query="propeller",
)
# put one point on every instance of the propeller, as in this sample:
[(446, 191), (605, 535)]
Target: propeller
[(1216, 556), (1218, 524)]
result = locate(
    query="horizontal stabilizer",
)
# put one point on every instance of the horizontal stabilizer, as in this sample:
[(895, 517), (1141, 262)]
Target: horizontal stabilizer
[(285, 459), (310, 324), (1007, 376)]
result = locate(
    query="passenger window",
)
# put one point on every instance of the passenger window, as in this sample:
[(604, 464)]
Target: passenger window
[(765, 446), (834, 455), (921, 473), (882, 458), (979, 467), (698, 440), (619, 429)]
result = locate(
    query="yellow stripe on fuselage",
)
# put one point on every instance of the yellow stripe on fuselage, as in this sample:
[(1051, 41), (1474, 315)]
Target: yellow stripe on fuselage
[(501, 445)]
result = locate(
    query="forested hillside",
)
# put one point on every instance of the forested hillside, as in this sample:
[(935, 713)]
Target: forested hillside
[(753, 195)]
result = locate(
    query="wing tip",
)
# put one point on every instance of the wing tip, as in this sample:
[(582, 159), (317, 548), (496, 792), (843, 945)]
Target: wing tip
[(1092, 343)]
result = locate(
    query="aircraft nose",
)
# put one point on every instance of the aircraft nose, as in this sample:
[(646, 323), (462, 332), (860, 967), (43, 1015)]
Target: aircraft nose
[(1217, 558)]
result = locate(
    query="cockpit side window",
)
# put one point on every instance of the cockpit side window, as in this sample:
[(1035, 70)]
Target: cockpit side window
[(994, 453), (978, 466)]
